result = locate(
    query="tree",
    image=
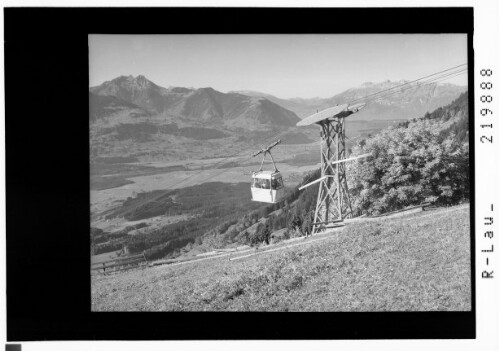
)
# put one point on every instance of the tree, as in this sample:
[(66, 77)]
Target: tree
[(308, 219), (261, 234), (265, 235), (296, 222)]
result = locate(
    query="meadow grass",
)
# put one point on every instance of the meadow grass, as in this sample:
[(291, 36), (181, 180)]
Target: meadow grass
[(421, 263)]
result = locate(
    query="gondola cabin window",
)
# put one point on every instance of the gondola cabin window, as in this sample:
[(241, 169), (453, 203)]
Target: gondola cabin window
[(261, 183), (277, 182)]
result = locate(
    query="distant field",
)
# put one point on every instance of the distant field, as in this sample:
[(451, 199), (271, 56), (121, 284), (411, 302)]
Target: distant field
[(114, 160), (108, 175), (102, 183), (417, 263)]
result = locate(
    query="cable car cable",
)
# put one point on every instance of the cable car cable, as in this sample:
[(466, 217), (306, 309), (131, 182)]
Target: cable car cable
[(379, 92), (435, 79)]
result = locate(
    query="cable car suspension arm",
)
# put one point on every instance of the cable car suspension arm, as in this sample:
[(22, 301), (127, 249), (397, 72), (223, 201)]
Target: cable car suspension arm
[(266, 151)]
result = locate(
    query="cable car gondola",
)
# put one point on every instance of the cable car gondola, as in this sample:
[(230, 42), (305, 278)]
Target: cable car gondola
[(267, 186)]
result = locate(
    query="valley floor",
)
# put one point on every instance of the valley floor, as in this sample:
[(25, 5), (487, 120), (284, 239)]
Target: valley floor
[(418, 262), (104, 199)]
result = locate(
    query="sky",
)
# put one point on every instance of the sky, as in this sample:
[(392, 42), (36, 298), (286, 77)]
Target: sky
[(283, 65)]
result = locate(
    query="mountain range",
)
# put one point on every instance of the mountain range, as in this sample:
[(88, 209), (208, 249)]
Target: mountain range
[(408, 101), (256, 110), (233, 111)]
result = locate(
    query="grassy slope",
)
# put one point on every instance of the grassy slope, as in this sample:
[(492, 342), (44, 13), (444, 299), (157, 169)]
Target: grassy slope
[(401, 264)]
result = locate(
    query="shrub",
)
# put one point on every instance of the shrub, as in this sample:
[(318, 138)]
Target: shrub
[(409, 165)]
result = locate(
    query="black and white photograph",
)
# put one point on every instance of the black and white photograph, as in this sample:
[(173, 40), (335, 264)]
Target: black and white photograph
[(279, 172), (250, 176)]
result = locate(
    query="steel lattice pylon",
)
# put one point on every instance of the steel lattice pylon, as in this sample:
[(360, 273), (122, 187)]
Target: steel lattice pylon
[(333, 201)]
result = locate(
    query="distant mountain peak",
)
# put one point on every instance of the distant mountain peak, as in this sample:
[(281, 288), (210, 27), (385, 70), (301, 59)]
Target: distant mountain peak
[(138, 81), (210, 89), (141, 79)]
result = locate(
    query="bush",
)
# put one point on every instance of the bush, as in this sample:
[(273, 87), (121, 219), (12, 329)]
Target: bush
[(261, 235), (412, 164)]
